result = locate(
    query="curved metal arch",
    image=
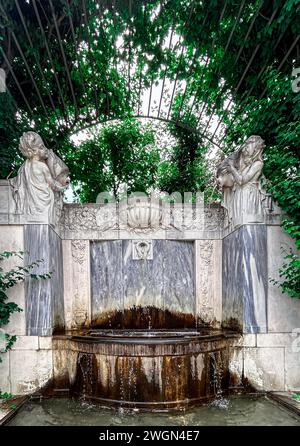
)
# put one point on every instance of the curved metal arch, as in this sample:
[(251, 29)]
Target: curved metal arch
[(157, 118)]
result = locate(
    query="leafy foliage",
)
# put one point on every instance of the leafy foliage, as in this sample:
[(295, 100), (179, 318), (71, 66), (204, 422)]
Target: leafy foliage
[(186, 170), (296, 396), (5, 395), (120, 155)]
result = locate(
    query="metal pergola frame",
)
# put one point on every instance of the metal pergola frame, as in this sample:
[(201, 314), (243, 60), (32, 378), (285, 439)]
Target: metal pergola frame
[(202, 128)]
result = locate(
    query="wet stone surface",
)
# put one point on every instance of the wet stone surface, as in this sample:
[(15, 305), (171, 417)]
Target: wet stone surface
[(149, 369)]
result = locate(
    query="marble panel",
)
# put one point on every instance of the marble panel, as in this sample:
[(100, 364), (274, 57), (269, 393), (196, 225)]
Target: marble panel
[(44, 298), (57, 280), (245, 279), (178, 276), (143, 279), (120, 282), (106, 278)]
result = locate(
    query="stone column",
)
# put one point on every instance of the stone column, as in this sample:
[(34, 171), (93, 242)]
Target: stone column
[(44, 298), (208, 274), (245, 279), (76, 261)]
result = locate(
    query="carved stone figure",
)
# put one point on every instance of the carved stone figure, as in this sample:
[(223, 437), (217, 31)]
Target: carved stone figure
[(40, 182), (142, 250), (239, 177)]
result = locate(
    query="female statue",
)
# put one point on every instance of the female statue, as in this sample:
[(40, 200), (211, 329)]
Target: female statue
[(41, 176), (239, 177)]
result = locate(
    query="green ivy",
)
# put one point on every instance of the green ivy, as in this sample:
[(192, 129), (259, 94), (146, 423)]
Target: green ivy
[(296, 396), (5, 395), (120, 154)]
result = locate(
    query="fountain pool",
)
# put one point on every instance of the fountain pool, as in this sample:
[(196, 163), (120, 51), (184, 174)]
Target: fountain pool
[(237, 410)]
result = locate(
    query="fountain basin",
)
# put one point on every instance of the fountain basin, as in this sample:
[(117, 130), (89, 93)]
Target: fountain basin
[(144, 369)]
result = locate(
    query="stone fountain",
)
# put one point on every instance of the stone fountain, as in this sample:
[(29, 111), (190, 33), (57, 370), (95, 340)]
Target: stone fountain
[(152, 304)]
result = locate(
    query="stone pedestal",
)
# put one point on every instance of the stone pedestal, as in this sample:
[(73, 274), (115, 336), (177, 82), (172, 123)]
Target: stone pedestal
[(245, 279), (44, 298), (269, 358)]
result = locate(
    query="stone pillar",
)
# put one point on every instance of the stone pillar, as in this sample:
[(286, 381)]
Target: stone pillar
[(245, 279), (269, 353), (44, 298), (76, 261), (28, 366), (208, 280)]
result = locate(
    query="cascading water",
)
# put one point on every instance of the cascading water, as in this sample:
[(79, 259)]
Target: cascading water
[(86, 375), (147, 369), (216, 368)]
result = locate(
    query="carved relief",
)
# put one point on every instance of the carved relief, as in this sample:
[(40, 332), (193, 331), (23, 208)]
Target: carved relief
[(140, 216), (142, 250), (80, 315), (141, 219), (82, 218), (78, 251), (79, 218), (205, 272), (213, 218), (80, 282), (177, 217), (106, 217)]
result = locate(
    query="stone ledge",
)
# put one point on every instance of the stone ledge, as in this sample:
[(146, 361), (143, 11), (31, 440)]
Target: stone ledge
[(8, 408), (45, 342), (286, 400), (26, 343), (274, 339)]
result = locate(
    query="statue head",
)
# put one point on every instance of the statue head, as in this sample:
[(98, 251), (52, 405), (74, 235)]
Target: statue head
[(252, 149), (32, 146)]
